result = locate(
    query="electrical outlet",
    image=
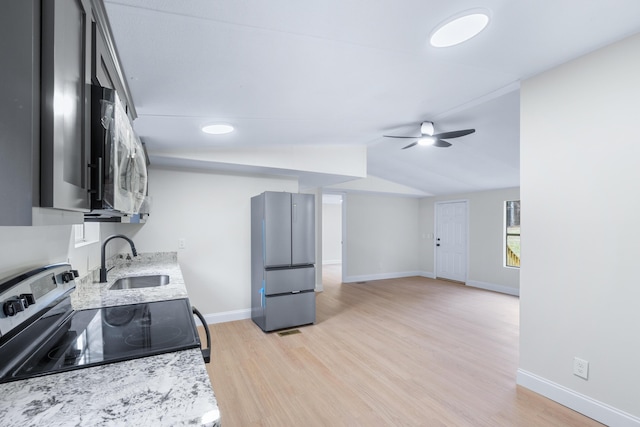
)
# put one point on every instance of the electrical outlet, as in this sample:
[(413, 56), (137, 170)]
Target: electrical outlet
[(581, 368), (182, 244)]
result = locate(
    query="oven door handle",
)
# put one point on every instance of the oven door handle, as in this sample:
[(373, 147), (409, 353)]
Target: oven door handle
[(206, 352)]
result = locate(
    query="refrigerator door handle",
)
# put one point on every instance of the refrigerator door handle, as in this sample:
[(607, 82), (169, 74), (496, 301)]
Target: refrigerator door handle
[(294, 213), (264, 243)]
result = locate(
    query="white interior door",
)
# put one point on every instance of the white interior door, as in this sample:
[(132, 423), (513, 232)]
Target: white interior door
[(451, 240)]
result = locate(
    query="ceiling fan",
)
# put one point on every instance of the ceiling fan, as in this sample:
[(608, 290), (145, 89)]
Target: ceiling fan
[(427, 136)]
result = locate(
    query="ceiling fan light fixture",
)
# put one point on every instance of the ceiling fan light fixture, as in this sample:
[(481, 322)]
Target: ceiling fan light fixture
[(217, 129), (426, 128), (427, 140), (459, 28)]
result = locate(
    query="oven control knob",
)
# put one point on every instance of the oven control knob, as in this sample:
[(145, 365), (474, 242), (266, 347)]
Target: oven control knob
[(12, 306), (27, 299), (67, 276), (75, 273)]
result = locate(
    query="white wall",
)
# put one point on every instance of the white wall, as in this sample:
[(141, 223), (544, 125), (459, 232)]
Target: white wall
[(382, 237), (486, 238), (211, 212), (580, 157), (25, 248), (331, 233)]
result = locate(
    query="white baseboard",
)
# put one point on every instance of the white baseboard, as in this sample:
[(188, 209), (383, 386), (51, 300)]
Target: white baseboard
[(493, 287), (227, 316), (592, 408), (380, 276), (474, 283), (331, 261)]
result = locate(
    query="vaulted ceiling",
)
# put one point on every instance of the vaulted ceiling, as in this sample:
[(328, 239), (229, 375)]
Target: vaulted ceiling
[(329, 73)]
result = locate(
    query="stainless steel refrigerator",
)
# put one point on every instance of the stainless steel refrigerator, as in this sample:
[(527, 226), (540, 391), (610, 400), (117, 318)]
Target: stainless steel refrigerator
[(282, 260)]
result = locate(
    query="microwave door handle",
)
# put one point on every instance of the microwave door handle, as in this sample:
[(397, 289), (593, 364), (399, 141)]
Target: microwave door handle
[(97, 185), (100, 179)]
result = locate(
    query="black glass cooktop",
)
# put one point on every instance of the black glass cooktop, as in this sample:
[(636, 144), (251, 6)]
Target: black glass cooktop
[(111, 334)]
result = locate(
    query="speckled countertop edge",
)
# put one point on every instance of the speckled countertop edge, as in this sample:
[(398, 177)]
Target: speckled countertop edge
[(170, 389)]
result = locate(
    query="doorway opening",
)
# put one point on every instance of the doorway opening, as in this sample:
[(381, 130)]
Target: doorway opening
[(332, 237)]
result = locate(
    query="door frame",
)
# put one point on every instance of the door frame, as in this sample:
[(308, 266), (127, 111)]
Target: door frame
[(343, 225), (435, 236)]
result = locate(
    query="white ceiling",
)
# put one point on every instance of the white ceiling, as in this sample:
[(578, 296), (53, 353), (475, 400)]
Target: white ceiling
[(334, 72)]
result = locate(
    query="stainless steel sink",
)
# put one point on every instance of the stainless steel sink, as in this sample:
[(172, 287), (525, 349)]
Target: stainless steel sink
[(135, 282)]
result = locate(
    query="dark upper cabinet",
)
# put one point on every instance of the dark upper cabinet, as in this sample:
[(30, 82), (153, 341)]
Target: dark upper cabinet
[(106, 70), (65, 104), (52, 52), (19, 110), (102, 63)]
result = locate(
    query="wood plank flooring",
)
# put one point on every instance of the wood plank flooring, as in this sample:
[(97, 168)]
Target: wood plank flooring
[(402, 352)]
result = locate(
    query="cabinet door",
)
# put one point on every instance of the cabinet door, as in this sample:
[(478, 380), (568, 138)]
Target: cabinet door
[(106, 69), (303, 242), (65, 111), (276, 233), (103, 67), (19, 109)]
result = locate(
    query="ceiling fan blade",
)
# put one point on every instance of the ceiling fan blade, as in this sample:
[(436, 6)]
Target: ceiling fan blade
[(441, 143), (410, 145), (405, 137), (454, 134)]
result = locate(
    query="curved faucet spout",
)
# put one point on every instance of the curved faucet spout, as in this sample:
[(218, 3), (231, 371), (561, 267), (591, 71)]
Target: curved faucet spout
[(103, 267)]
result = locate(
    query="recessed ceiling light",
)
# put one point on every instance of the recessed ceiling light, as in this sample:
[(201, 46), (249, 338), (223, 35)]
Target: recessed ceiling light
[(459, 28), (218, 129)]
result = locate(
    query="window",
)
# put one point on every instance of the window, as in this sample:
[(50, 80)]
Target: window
[(512, 233), (86, 233)]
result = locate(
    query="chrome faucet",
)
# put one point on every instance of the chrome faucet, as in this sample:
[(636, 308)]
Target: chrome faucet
[(103, 267)]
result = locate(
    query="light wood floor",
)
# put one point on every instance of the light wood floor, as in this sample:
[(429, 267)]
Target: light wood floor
[(402, 352)]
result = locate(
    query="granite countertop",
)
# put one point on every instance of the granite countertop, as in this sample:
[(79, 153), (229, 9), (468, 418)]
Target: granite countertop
[(91, 294), (170, 389)]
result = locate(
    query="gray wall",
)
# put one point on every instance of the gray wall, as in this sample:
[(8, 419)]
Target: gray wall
[(393, 237), (486, 238), (580, 153), (382, 238)]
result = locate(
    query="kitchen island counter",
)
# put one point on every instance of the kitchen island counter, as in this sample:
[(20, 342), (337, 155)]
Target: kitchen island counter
[(170, 389)]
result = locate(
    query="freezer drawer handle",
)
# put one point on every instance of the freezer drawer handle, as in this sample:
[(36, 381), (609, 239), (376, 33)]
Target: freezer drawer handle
[(295, 292), (206, 352)]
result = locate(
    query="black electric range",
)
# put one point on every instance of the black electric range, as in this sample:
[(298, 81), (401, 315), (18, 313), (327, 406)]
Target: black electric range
[(52, 337)]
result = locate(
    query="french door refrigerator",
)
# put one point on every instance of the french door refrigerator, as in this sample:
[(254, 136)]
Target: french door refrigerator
[(282, 260)]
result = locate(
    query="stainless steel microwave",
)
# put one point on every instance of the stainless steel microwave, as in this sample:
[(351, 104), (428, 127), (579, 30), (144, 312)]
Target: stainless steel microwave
[(118, 159)]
